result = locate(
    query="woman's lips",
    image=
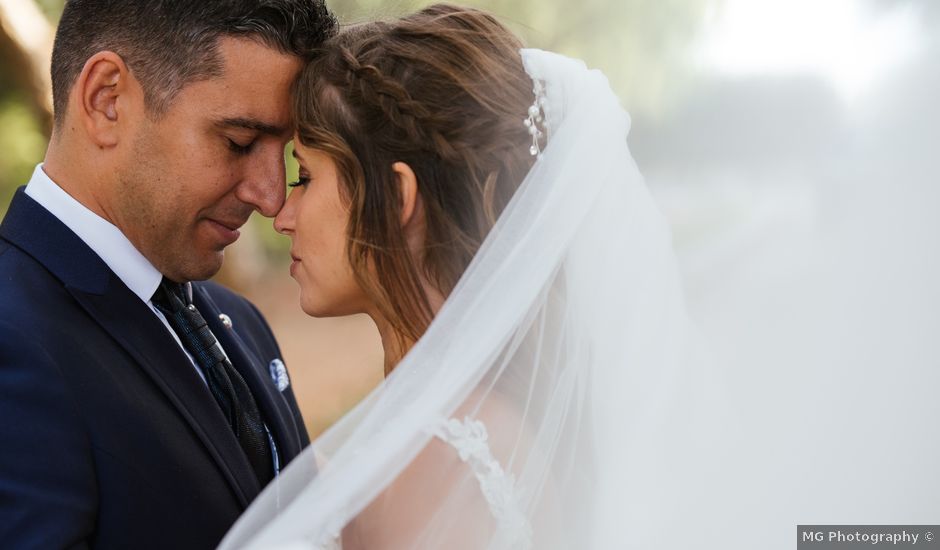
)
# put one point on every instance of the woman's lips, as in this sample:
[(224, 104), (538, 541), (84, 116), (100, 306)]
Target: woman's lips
[(295, 261)]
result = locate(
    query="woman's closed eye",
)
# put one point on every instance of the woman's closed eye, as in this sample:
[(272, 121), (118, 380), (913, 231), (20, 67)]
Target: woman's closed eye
[(302, 181)]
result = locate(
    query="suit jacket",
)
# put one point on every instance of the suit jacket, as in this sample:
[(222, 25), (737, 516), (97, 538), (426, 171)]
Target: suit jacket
[(108, 437)]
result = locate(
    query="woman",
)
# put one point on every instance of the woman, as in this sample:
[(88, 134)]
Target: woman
[(478, 201)]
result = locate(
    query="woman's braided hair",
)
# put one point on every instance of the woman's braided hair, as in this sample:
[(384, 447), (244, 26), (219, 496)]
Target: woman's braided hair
[(444, 91)]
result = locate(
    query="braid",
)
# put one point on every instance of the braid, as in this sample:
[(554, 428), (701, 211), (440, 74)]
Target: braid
[(397, 106)]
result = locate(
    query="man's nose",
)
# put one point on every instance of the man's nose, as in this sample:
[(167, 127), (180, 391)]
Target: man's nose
[(264, 185)]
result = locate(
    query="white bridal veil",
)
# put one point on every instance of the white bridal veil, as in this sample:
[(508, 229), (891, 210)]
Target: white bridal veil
[(583, 412), (602, 423), (559, 356)]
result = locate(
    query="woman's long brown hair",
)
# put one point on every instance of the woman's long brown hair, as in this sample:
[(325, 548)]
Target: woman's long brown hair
[(444, 91)]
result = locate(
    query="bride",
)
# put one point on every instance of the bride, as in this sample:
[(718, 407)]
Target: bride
[(544, 389), (479, 202)]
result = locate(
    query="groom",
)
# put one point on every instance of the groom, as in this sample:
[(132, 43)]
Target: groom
[(138, 410)]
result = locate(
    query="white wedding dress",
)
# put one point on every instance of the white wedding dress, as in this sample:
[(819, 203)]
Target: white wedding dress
[(470, 440)]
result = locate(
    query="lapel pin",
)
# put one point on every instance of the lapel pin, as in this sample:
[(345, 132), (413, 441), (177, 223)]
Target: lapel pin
[(226, 320)]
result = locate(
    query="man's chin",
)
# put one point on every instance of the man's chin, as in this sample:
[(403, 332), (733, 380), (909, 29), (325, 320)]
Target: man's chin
[(197, 267)]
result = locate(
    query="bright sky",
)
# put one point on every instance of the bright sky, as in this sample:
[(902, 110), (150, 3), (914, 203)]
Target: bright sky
[(841, 40)]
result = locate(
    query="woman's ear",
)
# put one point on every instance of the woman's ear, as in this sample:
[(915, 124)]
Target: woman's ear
[(100, 93), (408, 188)]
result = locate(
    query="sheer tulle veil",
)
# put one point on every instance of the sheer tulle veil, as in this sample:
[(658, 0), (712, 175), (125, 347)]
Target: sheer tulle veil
[(566, 337)]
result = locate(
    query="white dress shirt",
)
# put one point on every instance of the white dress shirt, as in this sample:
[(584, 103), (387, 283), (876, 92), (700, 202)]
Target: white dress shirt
[(110, 244), (107, 241)]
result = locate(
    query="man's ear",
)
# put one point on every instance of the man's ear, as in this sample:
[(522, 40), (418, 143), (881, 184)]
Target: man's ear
[(408, 187), (100, 95)]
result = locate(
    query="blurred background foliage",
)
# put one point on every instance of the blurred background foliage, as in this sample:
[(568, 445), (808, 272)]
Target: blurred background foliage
[(727, 97), (640, 44)]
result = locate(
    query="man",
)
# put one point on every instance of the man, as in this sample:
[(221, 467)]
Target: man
[(135, 411)]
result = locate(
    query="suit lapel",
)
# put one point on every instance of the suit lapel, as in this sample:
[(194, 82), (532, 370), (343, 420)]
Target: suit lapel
[(135, 327), (132, 324), (274, 407)]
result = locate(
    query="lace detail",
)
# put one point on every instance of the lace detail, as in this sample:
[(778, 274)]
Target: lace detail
[(471, 440), (332, 544), (329, 543)]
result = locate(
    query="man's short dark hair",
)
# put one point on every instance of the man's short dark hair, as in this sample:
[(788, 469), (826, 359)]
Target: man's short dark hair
[(167, 44)]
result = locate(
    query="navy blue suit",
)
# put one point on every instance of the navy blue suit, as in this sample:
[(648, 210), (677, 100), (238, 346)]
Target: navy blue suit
[(108, 437)]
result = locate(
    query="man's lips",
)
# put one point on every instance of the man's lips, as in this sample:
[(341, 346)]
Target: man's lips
[(226, 229), (231, 225)]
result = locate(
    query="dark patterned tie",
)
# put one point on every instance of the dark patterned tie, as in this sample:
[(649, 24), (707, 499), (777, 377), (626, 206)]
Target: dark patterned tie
[(226, 384)]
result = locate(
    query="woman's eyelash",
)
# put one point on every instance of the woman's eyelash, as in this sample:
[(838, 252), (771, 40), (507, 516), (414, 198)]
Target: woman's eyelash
[(300, 182)]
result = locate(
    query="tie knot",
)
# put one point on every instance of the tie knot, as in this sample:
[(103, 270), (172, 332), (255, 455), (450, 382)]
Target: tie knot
[(170, 295)]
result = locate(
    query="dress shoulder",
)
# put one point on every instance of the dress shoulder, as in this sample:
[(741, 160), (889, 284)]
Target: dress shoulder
[(470, 439)]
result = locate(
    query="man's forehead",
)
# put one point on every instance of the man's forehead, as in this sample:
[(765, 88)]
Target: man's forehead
[(253, 91), (238, 53)]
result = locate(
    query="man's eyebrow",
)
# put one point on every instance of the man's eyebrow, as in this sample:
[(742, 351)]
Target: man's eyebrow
[(255, 125)]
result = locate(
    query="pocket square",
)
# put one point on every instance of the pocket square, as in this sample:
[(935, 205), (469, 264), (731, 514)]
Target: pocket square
[(279, 374)]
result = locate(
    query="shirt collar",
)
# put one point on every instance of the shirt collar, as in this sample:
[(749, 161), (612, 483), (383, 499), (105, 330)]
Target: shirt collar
[(106, 240)]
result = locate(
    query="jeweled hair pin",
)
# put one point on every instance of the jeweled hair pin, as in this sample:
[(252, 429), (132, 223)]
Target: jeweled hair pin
[(536, 121)]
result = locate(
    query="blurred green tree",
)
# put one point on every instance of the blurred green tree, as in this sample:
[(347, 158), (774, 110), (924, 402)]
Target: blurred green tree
[(639, 44), (25, 93)]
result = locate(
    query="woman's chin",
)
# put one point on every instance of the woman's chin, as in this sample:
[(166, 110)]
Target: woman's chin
[(323, 309), (325, 300), (317, 310)]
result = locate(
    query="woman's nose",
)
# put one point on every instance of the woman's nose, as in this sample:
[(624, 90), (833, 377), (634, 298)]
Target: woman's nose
[(284, 221)]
